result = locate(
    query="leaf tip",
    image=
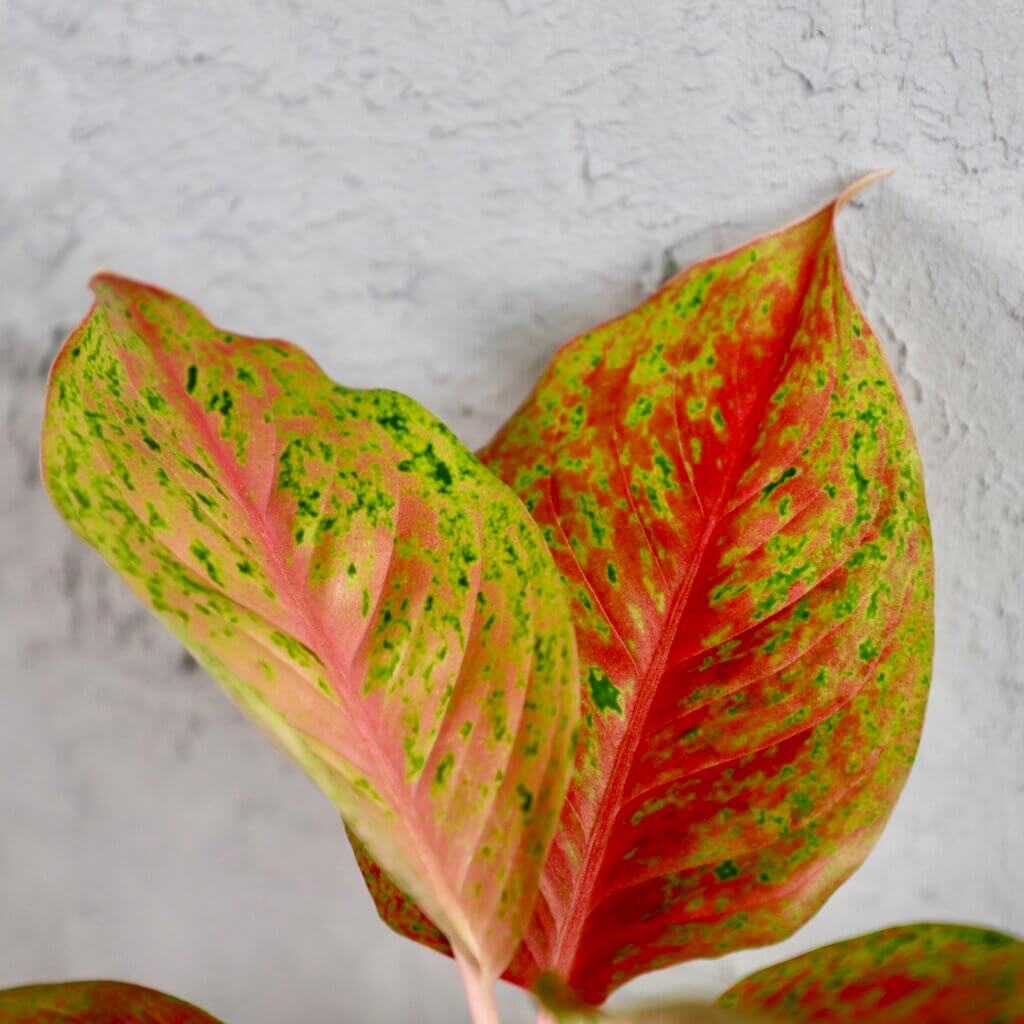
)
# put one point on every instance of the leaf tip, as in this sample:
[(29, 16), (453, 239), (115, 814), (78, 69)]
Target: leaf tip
[(101, 276), (104, 280), (859, 184)]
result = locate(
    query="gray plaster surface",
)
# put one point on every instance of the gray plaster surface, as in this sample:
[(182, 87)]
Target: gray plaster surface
[(431, 196)]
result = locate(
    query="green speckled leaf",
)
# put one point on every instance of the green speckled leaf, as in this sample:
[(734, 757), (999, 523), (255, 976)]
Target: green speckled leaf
[(95, 1002), (911, 974), (728, 480), (371, 595)]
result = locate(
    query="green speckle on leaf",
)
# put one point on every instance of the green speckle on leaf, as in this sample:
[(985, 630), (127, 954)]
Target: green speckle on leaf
[(525, 798), (868, 650), (726, 870), (603, 692), (443, 770)]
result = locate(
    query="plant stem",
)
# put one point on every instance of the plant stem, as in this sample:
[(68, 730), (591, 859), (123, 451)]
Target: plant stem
[(479, 990)]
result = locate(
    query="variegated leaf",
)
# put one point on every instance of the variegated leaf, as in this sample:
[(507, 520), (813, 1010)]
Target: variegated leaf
[(95, 1002), (729, 482), (911, 974), (371, 595)]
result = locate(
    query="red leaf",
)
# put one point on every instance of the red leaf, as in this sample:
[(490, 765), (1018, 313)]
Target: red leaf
[(374, 598), (912, 974), (95, 1002), (728, 480)]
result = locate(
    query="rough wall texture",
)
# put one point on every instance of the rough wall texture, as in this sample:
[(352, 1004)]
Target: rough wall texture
[(431, 196)]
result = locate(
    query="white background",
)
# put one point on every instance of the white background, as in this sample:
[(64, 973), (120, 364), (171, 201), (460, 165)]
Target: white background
[(432, 196)]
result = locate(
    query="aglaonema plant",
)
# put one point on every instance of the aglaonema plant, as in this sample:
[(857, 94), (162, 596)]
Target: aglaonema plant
[(638, 685)]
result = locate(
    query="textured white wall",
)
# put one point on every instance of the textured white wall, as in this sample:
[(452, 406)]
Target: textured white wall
[(431, 196)]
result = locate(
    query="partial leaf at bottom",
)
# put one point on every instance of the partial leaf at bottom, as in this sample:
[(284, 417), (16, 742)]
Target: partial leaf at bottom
[(95, 1002), (910, 974)]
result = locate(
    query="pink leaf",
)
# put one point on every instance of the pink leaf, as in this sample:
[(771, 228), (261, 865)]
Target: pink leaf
[(374, 598)]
